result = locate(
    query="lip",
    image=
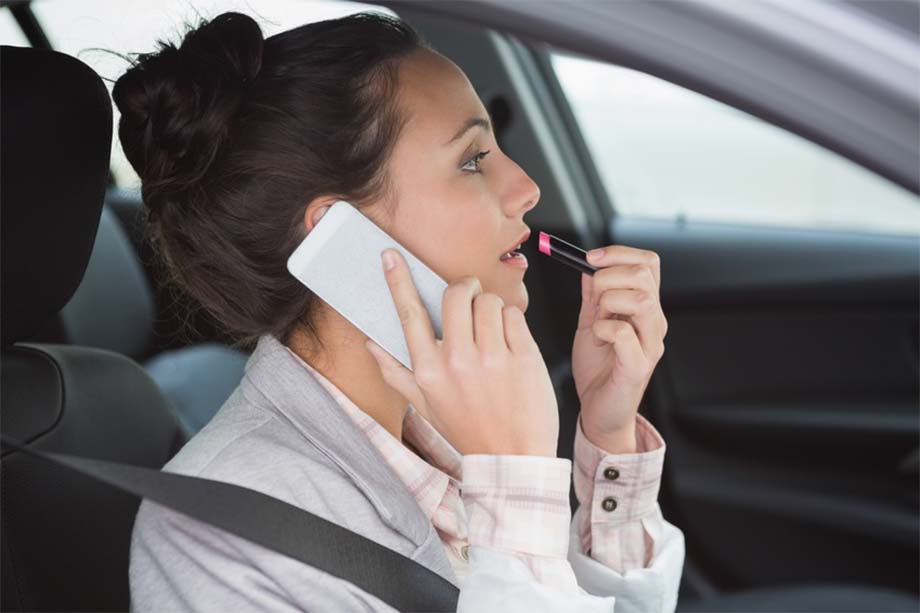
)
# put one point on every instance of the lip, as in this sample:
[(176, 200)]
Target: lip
[(523, 239)]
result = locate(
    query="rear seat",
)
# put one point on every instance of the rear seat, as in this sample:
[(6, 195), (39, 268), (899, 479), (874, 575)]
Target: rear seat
[(114, 308)]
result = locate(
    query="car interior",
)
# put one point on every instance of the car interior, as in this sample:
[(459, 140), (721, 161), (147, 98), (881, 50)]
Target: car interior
[(787, 395)]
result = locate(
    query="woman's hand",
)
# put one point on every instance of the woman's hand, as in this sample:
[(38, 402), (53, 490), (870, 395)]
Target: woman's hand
[(484, 386), (618, 342)]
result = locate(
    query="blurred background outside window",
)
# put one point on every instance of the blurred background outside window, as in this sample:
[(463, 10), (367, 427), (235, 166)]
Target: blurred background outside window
[(666, 152)]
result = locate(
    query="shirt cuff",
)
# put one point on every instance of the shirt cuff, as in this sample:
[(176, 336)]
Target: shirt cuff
[(620, 493), (518, 503), (632, 480)]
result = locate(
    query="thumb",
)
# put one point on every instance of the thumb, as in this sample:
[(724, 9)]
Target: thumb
[(398, 377)]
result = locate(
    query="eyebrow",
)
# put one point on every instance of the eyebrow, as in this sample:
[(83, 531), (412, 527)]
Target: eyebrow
[(470, 123)]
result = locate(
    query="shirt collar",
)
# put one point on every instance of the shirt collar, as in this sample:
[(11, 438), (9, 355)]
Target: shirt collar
[(426, 480)]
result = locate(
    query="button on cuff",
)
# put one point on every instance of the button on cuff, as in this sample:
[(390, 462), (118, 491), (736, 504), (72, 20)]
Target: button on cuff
[(609, 503)]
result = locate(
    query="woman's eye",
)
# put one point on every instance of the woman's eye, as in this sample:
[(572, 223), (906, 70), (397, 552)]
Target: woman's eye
[(475, 160)]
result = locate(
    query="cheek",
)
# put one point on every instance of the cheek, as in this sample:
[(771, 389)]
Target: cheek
[(432, 229), (467, 244), (478, 223), (453, 225)]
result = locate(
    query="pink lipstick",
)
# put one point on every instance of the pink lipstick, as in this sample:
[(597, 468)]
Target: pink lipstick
[(567, 253)]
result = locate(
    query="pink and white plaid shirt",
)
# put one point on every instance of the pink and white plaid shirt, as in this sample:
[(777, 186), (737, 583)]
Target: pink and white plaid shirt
[(520, 503)]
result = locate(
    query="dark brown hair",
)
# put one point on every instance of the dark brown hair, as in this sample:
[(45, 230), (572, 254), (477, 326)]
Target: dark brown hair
[(234, 135)]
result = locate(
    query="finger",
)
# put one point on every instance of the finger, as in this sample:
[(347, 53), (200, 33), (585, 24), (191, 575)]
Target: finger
[(625, 343), (638, 308), (624, 276), (457, 314), (489, 332), (588, 311), (412, 313), (622, 254), (398, 377), (621, 301), (517, 333)]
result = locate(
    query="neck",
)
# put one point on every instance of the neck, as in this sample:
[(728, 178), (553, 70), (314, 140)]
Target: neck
[(345, 361)]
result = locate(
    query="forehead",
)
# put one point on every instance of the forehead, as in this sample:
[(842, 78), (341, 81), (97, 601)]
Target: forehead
[(436, 96)]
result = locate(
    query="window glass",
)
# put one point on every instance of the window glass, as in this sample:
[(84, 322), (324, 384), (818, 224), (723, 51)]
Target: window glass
[(10, 32), (88, 28), (665, 152)]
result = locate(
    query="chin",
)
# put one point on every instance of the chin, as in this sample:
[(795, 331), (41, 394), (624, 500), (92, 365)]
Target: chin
[(513, 294), (517, 297)]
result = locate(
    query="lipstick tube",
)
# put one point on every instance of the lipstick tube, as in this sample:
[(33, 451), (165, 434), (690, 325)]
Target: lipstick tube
[(567, 253)]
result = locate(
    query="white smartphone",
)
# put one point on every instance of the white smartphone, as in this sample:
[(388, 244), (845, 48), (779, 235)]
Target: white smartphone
[(340, 262)]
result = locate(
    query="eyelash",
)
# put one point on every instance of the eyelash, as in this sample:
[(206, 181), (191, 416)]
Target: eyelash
[(477, 159)]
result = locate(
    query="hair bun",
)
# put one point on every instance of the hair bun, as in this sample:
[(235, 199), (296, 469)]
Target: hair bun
[(177, 104)]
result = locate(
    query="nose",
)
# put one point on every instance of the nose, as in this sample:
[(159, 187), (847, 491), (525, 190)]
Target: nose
[(525, 193)]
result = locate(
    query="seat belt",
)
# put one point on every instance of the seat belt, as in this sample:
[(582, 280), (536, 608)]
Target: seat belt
[(399, 581)]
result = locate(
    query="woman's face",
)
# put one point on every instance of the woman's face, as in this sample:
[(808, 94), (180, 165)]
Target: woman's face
[(453, 208)]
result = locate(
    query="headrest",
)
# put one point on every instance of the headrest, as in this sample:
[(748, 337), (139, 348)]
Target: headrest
[(54, 161)]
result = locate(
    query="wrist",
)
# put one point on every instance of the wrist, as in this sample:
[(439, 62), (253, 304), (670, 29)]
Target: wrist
[(518, 447), (620, 440), (508, 450)]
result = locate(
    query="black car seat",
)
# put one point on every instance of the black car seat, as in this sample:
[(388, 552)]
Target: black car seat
[(114, 308), (65, 537)]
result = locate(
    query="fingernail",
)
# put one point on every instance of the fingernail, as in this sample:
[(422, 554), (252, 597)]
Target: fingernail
[(594, 254), (389, 260)]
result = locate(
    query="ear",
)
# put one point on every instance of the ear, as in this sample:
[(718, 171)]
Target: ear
[(316, 209)]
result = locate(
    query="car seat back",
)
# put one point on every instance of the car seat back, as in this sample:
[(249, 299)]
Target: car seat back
[(65, 538)]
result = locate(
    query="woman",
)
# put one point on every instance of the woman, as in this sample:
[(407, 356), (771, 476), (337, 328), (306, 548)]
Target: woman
[(242, 144)]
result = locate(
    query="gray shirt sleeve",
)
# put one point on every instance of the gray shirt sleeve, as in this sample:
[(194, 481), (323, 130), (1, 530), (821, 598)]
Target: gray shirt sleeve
[(181, 564)]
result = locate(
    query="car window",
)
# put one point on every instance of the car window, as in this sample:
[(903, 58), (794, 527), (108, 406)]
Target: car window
[(90, 28), (10, 32), (667, 152)]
